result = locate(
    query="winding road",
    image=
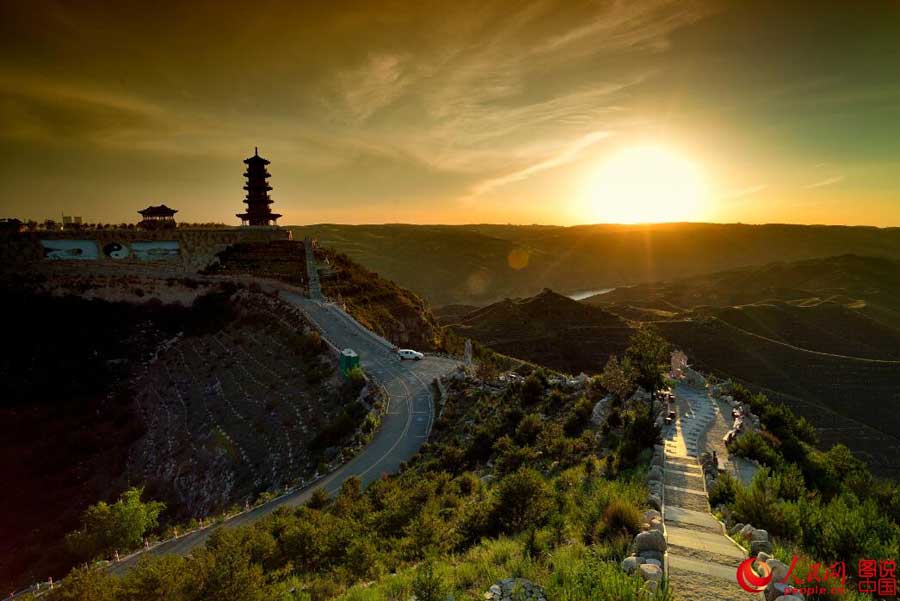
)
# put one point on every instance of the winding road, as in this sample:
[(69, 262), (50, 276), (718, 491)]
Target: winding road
[(404, 427)]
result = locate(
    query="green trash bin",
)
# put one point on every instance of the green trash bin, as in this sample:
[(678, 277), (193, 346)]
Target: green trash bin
[(349, 360)]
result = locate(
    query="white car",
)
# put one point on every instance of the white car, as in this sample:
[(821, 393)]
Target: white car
[(406, 353)]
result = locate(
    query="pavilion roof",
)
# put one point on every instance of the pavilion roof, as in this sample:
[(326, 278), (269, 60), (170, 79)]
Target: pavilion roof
[(157, 211)]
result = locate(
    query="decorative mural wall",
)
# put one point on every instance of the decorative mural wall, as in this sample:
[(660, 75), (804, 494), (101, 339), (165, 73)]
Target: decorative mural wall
[(70, 250), (116, 250), (156, 250)]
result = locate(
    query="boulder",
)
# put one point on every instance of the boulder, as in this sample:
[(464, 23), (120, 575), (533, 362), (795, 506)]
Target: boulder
[(657, 461), (630, 564), (655, 473), (648, 555), (654, 562), (763, 557), (655, 487), (518, 588), (759, 534), (735, 529), (788, 598), (760, 546), (779, 569), (652, 514), (656, 524), (652, 540), (655, 502), (650, 572), (746, 531)]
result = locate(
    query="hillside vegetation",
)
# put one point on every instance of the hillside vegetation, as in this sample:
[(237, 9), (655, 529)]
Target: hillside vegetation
[(206, 406), (510, 485), (822, 335), (481, 264), (380, 305)]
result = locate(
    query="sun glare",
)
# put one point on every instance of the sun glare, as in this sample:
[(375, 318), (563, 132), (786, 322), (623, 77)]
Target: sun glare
[(646, 184)]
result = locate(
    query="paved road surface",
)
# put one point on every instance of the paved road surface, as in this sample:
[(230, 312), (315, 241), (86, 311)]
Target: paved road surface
[(404, 428)]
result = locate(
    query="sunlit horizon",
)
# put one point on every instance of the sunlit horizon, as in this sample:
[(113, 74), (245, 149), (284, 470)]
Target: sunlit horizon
[(505, 114)]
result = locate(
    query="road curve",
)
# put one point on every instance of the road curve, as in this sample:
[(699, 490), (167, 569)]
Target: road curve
[(404, 427)]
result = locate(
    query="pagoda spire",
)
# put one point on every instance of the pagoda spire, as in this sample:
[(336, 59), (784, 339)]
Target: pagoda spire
[(257, 200)]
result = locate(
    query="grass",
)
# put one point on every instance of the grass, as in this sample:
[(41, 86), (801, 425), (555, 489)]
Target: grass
[(574, 572)]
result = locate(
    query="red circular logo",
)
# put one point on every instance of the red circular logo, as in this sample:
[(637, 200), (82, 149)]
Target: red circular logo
[(749, 580)]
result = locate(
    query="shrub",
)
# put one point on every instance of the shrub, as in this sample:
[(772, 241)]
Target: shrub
[(532, 390), (318, 499), (428, 585), (120, 526), (524, 500), (752, 445), (529, 429), (621, 519), (724, 490)]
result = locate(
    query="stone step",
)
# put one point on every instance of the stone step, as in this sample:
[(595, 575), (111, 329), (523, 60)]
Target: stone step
[(690, 470), (713, 570), (706, 542), (678, 515), (691, 491)]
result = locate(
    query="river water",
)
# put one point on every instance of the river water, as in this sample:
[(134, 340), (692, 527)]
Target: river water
[(583, 294)]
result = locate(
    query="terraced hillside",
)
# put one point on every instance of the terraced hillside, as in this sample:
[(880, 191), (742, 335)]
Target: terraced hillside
[(206, 405), (239, 410)]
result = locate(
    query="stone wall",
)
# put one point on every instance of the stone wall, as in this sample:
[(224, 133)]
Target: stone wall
[(187, 251)]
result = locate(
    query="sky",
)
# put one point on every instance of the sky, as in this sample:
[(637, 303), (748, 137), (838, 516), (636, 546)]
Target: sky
[(554, 111)]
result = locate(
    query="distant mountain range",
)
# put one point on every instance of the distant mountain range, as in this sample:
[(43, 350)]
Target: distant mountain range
[(481, 264)]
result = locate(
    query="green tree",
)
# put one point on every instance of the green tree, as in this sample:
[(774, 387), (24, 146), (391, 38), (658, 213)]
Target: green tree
[(648, 353), (92, 583), (121, 526), (618, 377)]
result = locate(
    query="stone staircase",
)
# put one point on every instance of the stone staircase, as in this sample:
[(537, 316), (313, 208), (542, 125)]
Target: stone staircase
[(701, 561)]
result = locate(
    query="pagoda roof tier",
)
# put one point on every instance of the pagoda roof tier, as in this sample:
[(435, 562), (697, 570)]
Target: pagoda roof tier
[(257, 186), (249, 215), (256, 174), (256, 159)]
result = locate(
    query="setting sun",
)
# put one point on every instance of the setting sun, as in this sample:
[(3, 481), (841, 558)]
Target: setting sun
[(646, 184)]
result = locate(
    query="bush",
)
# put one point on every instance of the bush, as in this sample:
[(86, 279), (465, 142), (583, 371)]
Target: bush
[(428, 585), (529, 429), (120, 526), (524, 500), (532, 390), (753, 445), (621, 519), (724, 490)]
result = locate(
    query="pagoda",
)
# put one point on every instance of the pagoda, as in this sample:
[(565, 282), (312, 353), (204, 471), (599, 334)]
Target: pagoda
[(257, 200)]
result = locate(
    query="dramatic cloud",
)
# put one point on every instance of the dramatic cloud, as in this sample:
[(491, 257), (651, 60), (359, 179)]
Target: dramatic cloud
[(371, 111)]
